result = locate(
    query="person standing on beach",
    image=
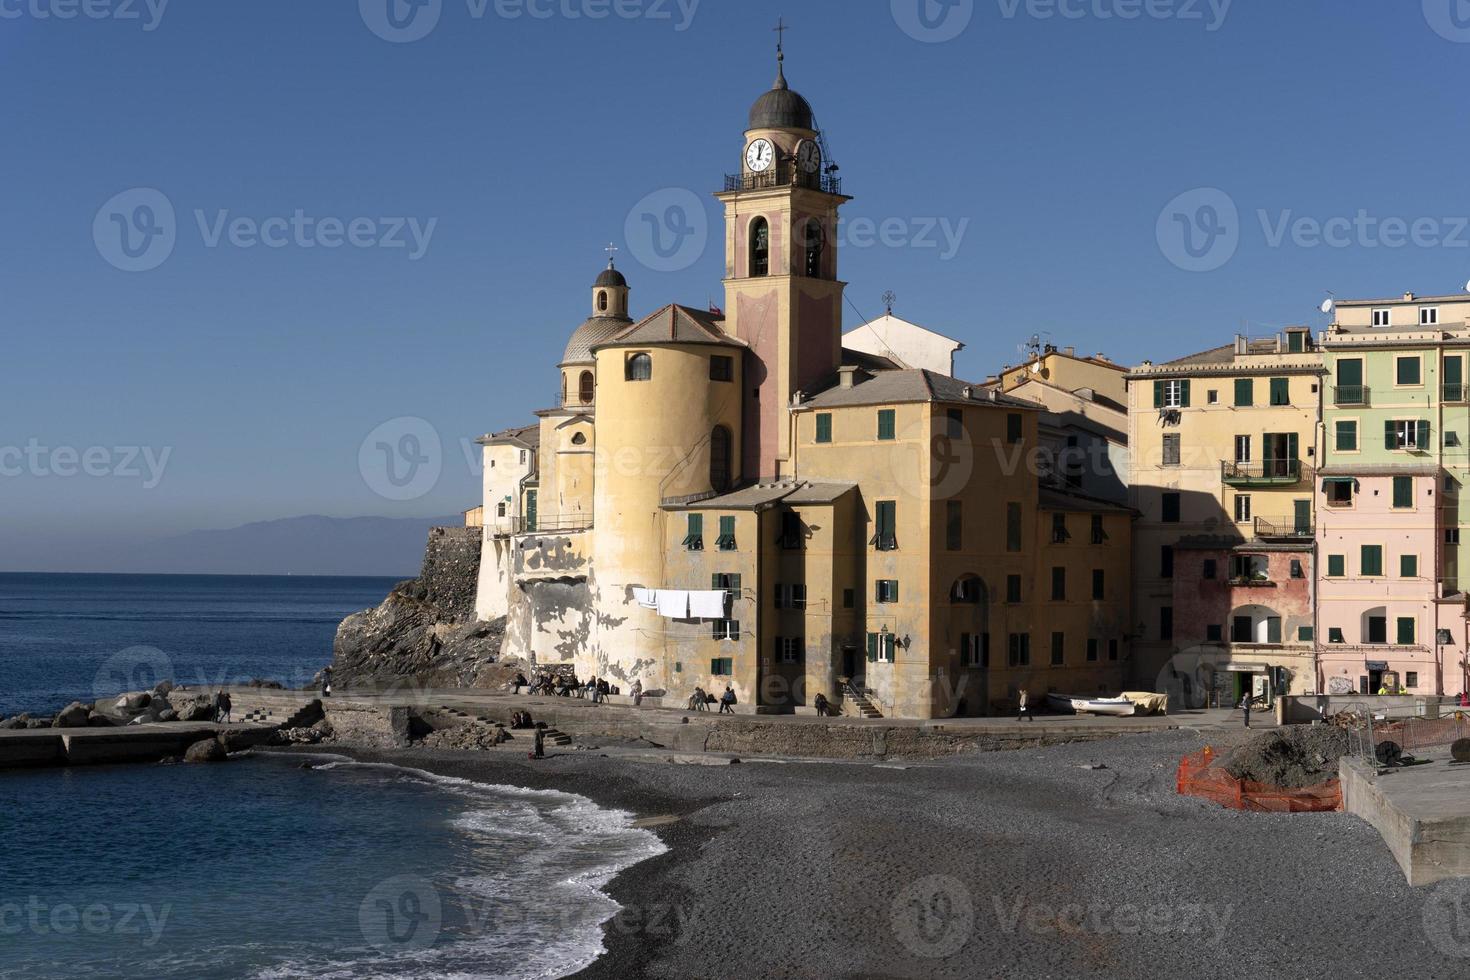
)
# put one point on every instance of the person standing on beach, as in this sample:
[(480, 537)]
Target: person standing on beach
[(222, 706), (326, 682), (540, 752)]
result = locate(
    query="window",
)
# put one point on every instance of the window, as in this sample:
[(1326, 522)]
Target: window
[(721, 368), (1305, 634), (523, 457), (1211, 569), (1370, 562), (722, 666), (1428, 316), (1112, 649), (849, 598), (1171, 508), (1214, 633), (1296, 569), (726, 540), (725, 629), (1242, 449), (885, 531), (1166, 562), (586, 388), (1451, 439), (1058, 649), (954, 525), (1249, 568), (1340, 492), (881, 648), (798, 596), (1411, 679), (975, 650), (639, 367), (1347, 436), (730, 583), (824, 427), (1019, 650), (602, 301), (792, 531), (1242, 508), (1015, 427), (1059, 532), (1404, 631), (790, 649), (886, 590), (1099, 581), (760, 248), (1403, 492), (694, 533), (719, 459), (954, 425), (1166, 622), (1013, 527), (886, 430), (1171, 449), (1407, 371), (1240, 630), (1406, 434), (1171, 394), (1092, 650), (1296, 341), (1383, 317), (1058, 583), (1334, 635), (1336, 566), (1377, 630), (1013, 588), (1408, 566), (1212, 397), (1245, 392), (1280, 391), (1452, 535), (1099, 535), (968, 589), (813, 243), (500, 510), (790, 596)]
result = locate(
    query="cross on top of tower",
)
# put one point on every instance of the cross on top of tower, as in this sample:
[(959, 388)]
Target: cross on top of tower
[(780, 30), (611, 249)]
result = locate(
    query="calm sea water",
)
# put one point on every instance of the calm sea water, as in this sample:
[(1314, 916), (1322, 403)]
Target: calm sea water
[(259, 868), (79, 637)]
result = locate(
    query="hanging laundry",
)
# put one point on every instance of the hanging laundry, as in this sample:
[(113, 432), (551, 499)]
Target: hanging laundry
[(707, 605), (673, 603), (647, 598)]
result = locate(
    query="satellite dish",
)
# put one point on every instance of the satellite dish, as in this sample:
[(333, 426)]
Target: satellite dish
[(1035, 367), (1467, 287), (1328, 306)]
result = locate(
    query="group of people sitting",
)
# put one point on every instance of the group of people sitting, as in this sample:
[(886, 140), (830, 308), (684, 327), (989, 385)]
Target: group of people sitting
[(702, 699), (556, 685), (521, 719)]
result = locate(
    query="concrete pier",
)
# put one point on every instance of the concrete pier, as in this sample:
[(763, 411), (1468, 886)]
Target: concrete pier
[(96, 746), (1422, 811)]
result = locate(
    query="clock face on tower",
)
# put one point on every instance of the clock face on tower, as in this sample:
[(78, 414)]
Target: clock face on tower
[(809, 156), (760, 156)]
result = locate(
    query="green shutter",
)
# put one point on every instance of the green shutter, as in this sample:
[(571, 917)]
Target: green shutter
[(1408, 566), (1371, 560), (1403, 492), (1350, 373), (886, 427), (735, 584), (824, 427), (1336, 566), (1454, 370), (1390, 439), (1422, 441), (1280, 391), (1347, 437), (1158, 394), (1184, 393), (872, 648), (1244, 392), (715, 581), (1273, 629), (1406, 631)]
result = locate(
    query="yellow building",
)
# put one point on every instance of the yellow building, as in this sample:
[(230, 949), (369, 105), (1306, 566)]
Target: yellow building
[(1063, 368), (735, 499)]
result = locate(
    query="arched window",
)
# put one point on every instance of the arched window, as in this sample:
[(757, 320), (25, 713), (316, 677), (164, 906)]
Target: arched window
[(585, 389), (579, 439), (719, 459), (640, 368), (814, 242), (563, 389), (602, 301), (760, 248)]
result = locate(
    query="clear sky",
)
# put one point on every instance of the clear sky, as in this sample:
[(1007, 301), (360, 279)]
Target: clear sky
[(455, 191)]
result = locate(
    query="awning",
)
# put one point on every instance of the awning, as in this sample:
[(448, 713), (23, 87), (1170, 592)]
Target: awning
[(1330, 480), (1377, 665)]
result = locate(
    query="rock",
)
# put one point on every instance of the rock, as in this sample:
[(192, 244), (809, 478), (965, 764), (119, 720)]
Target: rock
[(96, 719), (1291, 758), (206, 750), (163, 689), (137, 702), (73, 715), (11, 724), (35, 723), (193, 707), (168, 714), (323, 728), (1460, 750)]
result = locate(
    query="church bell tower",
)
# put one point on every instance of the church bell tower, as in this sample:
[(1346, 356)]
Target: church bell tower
[(782, 294)]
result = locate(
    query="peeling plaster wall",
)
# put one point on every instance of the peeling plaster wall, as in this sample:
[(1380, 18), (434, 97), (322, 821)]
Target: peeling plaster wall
[(550, 616)]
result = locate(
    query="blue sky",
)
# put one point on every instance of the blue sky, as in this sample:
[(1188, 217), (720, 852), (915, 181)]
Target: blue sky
[(1046, 139)]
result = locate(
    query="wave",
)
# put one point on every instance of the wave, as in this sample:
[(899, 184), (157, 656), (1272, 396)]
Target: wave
[(535, 908)]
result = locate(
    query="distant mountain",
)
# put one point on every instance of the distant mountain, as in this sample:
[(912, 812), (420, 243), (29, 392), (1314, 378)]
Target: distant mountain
[(293, 546)]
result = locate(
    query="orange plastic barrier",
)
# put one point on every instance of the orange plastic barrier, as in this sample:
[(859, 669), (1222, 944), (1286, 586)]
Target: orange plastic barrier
[(1202, 774)]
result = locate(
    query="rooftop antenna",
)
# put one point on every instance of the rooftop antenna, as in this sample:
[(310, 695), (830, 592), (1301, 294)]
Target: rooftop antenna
[(888, 299)]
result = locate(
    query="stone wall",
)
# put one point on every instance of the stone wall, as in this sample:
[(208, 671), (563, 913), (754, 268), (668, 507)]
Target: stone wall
[(451, 570)]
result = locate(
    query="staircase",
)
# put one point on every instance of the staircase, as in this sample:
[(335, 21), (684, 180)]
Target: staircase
[(859, 704), (552, 736)]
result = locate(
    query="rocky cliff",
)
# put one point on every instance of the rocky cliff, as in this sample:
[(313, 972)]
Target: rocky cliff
[(425, 634)]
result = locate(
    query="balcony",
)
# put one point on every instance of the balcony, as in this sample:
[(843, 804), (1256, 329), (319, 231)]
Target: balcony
[(1267, 473), (1283, 529), (1350, 395), (1452, 392), (558, 524), (784, 174)]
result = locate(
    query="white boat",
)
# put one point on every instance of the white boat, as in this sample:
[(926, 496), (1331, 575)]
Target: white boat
[(1119, 707)]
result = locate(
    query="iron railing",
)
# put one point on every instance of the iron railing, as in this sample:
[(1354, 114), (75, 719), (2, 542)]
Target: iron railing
[(561, 523), (1452, 392), (1350, 395), (784, 174), (1284, 527), (1269, 471)]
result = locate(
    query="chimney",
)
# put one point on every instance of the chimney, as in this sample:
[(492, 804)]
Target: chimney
[(1242, 345), (1070, 351), (1408, 297), (846, 375)]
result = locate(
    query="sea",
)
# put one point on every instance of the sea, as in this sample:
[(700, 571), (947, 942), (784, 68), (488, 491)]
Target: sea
[(270, 866)]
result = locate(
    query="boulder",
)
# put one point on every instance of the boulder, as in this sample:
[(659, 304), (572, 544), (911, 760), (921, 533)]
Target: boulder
[(137, 702), (168, 714), (96, 719), (206, 750), (73, 715), (35, 723), (11, 724), (193, 707), (164, 688)]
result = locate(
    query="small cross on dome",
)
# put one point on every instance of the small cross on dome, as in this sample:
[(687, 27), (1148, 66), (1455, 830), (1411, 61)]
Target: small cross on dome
[(611, 249)]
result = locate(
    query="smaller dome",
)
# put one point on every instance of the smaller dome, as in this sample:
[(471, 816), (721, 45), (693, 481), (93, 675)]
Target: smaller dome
[(590, 334), (781, 108), (611, 277)]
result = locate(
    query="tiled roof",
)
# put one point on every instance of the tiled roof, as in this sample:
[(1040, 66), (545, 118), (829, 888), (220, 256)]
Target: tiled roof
[(674, 324), (526, 435), (1381, 469), (590, 334), (914, 385), (759, 496)]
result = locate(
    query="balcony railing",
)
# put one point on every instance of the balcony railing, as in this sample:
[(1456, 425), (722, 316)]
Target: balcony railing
[(560, 523), (1452, 392), (1284, 528), (1268, 472), (1350, 395), (784, 174)]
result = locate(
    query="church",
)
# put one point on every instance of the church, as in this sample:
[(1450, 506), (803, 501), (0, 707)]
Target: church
[(738, 499)]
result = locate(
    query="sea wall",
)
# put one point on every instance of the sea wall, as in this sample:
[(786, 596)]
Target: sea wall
[(451, 570)]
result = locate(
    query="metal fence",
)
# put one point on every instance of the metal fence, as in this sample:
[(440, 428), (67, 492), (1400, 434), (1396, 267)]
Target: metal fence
[(1382, 736)]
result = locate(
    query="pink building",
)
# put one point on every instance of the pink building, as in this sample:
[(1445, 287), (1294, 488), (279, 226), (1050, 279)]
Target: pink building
[(1380, 608)]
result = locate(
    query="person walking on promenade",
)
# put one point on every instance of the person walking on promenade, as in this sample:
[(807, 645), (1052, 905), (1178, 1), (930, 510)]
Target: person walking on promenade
[(1246, 704), (326, 682), (222, 706), (1023, 710)]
